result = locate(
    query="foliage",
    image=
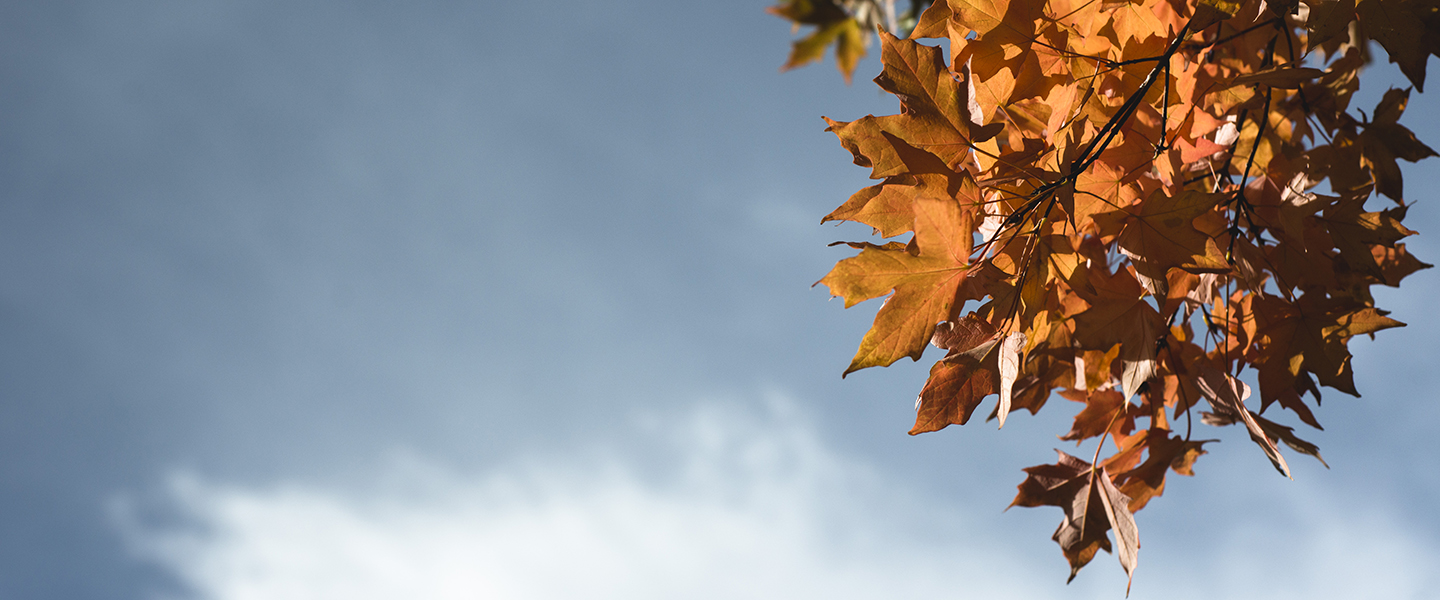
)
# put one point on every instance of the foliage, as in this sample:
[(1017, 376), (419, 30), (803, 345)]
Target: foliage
[(1143, 199), (841, 23)]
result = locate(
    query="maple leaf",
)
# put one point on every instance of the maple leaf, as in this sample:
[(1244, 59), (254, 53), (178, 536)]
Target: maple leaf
[(1327, 20), (1092, 505), (1227, 398), (1396, 263), (1101, 189), (886, 154), (1102, 414), (1270, 430), (1312, 333), (958, 383), (890, 206), (1277, 384), (1385, 140), (1135, 22), (1138, 358), (934, 22), (925, 284), (1165, 453), (1209, 12), (935, 113), (1401, 28), (1002, 29), (1119, 315)]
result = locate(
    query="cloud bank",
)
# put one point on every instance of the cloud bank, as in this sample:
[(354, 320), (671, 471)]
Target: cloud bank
[(748, 504)]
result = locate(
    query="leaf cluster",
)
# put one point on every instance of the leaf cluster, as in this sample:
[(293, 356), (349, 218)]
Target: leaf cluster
[(1131, 203)]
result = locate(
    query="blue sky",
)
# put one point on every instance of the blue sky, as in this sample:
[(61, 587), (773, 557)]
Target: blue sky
[(354, 300)]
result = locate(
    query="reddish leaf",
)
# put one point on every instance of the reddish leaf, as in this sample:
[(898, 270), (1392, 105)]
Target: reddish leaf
[(958, 383)]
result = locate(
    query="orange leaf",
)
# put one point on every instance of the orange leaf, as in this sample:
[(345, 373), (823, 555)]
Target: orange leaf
[(925, 285), (890, 206)]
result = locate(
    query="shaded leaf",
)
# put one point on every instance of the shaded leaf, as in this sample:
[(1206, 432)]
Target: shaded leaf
[(1227, 398), (1092, 507)]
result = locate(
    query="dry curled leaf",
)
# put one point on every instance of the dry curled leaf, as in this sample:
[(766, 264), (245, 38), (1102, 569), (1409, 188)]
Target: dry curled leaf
[(1009, 360)]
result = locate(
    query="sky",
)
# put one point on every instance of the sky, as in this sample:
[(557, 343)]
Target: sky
[(513, 300)]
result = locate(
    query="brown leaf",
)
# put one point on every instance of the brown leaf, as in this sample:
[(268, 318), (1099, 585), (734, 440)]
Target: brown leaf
[(935, 114), (1312, 334), (1391, 107), (1277, 384), (958, 383), (1103, 409), (1352, 231), (1127, 534), (880, 150), (1384, 141), (1286, 434), (1227, 398), (1396, 263), (833, 26), (890, 206), (1092, 507), (1165, 453), (1327, 21), (1138, 358), (934, 22), (1209, 12), (1272, 431), (962, 336), (1397, 27)]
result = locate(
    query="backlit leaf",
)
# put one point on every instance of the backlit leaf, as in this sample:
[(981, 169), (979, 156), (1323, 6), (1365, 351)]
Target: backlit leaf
[(1009, 359)]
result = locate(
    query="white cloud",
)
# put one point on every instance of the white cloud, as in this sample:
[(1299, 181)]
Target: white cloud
[(751, 506), (756, 509), (1324, 549)]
